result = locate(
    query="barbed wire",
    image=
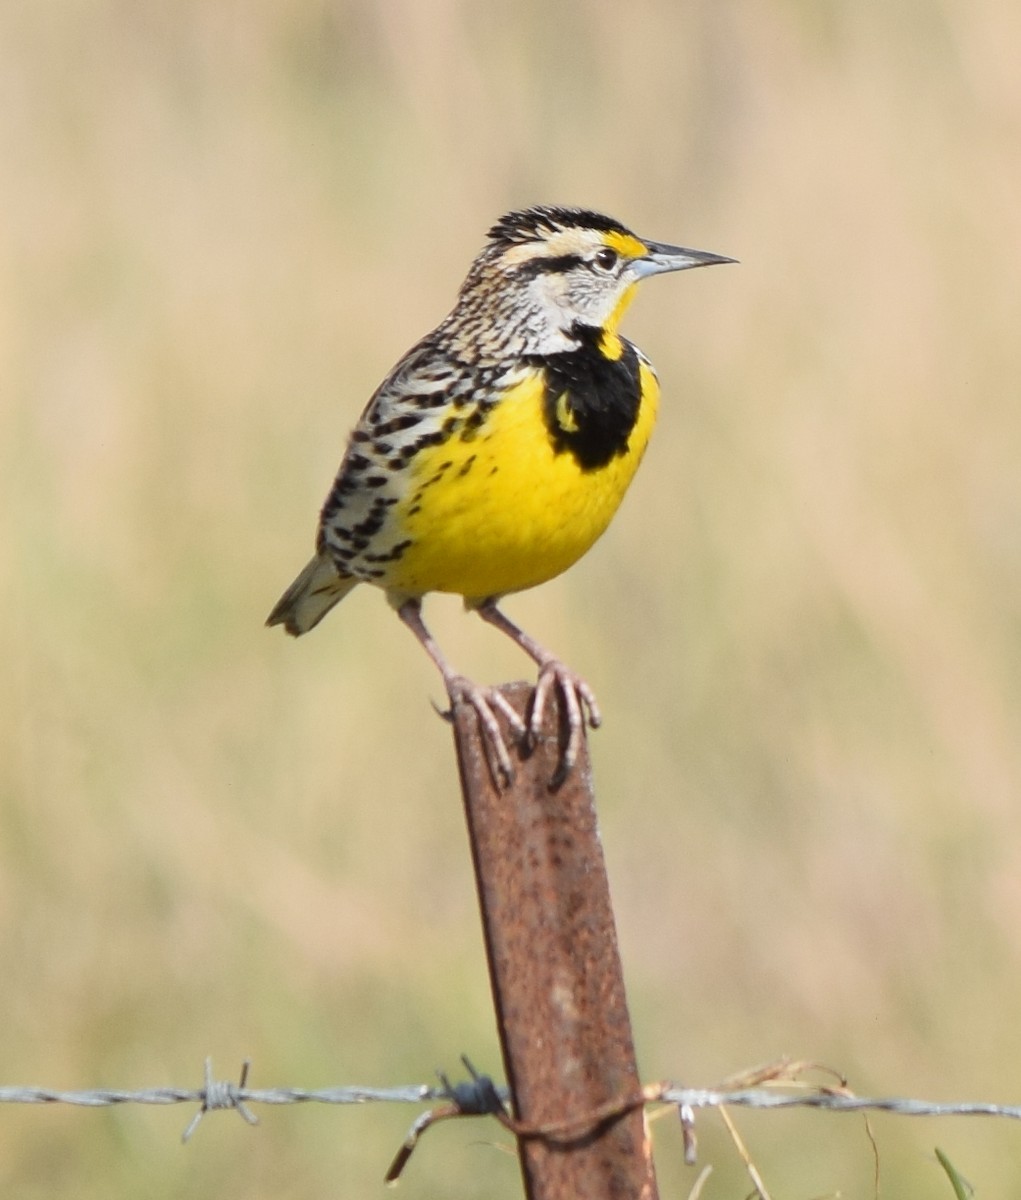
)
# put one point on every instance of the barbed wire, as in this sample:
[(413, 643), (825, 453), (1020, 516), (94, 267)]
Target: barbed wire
[(480, 1096), (837, 1102)]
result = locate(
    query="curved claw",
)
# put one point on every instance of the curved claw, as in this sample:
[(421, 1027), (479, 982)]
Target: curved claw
[(580, 708), (487, 701)]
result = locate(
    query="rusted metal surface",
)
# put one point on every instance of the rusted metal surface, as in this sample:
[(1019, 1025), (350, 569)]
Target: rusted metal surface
[(555, 969)]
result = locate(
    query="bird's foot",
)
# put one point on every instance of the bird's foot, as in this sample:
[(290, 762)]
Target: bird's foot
[(580, 709), (487, 702)]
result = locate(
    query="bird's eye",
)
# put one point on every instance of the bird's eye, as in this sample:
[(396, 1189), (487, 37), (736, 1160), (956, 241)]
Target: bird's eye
[(606, 259)]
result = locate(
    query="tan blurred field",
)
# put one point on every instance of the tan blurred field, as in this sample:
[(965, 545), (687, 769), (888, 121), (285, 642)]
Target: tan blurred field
[(219, 225)]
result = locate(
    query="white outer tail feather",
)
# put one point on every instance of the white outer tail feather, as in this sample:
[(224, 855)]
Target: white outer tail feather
[(311, 596)]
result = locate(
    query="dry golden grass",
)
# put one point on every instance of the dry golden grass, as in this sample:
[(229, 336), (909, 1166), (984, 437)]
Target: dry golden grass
[(220, 226)]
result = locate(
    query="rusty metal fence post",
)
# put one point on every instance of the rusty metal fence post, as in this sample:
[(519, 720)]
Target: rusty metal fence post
[(555, 970)]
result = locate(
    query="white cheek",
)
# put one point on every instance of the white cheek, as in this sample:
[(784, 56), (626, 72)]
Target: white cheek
[(549, 293), (549, 333), (606, 304), (594, 305)]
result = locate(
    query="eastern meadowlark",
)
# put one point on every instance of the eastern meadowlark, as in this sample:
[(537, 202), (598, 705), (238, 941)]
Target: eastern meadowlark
[(498, 449)]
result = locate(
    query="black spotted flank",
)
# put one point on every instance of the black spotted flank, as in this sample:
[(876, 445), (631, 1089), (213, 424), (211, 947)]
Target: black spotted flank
[(603, 396), (534, 224), (396, 424), (474, 422), (373, 522), (426, 400), (391, 555), (429, 439)]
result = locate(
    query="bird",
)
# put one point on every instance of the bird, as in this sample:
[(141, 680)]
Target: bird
[(497, 450)]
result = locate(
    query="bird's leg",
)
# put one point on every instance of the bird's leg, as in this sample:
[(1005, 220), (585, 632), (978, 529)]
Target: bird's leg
[(483, 700), (579, 700)]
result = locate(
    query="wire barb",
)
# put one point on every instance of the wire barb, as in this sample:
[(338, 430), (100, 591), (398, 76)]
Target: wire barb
[(220, 1094), (688, 1135), (475, 1097)]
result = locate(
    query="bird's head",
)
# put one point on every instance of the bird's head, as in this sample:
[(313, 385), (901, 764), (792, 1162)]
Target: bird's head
[(550, 273)]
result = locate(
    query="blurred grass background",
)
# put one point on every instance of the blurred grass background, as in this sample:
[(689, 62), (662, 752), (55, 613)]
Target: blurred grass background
[(221, 224)]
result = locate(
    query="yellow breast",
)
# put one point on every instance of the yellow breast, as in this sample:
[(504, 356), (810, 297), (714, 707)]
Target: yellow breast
[(503, 510)]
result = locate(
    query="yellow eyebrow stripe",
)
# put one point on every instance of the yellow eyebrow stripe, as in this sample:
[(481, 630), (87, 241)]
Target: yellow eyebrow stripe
[(626, 244)]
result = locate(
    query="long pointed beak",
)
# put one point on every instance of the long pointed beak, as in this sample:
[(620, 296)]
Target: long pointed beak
[(661, 257)]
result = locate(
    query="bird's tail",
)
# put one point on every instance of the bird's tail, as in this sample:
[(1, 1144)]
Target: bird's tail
[(311, 596)]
